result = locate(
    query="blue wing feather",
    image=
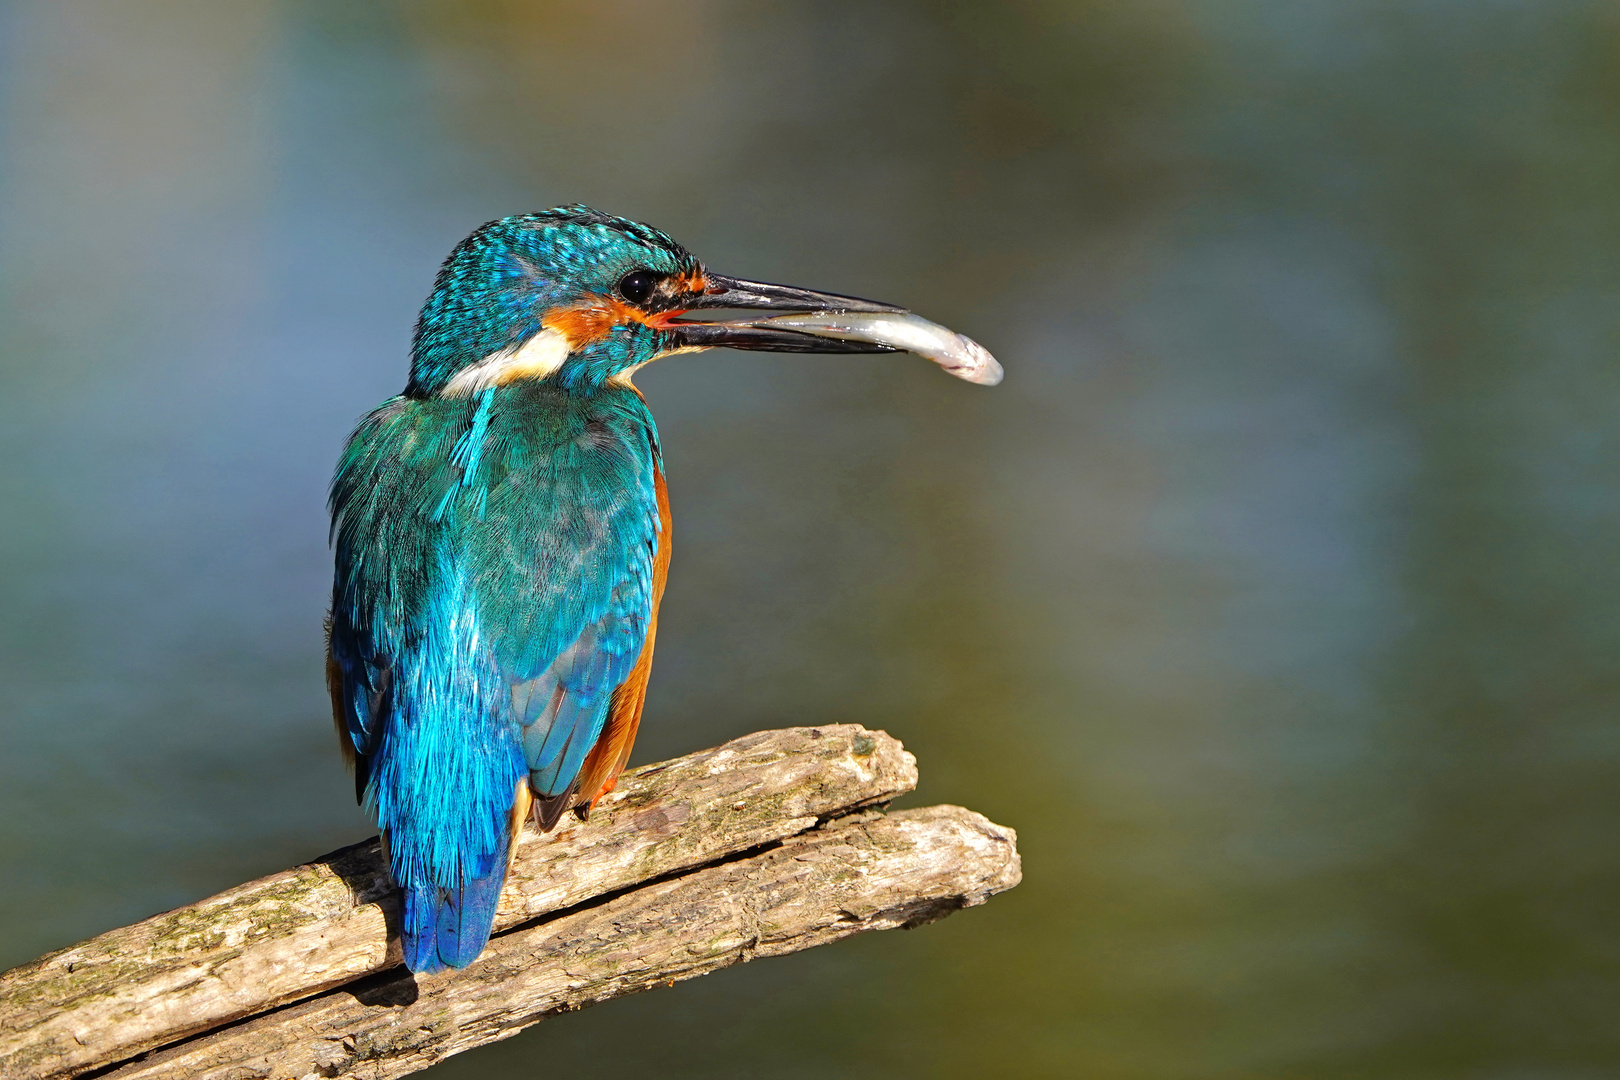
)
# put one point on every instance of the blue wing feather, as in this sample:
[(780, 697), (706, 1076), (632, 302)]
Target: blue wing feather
[(493, 588), (575, 693)]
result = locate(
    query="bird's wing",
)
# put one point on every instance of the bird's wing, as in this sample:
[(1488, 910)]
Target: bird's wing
[(607, 758), (494, 588), (561, 712), (580, 717)]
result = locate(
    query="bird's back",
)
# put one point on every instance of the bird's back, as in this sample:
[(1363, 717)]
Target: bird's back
[(496, 558)]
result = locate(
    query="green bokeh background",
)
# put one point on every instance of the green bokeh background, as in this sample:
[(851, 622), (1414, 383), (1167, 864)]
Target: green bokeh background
[(1273, 599)]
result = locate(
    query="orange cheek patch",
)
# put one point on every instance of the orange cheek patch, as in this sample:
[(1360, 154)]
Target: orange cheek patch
[(591, 322)]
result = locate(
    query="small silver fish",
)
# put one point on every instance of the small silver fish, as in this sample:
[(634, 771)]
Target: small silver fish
[(956, 353)]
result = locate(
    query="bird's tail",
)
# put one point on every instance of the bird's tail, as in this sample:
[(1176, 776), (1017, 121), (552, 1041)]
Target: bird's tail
[(448, 927)]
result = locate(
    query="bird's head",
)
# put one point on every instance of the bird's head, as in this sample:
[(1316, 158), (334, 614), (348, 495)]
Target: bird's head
[(581, 298)]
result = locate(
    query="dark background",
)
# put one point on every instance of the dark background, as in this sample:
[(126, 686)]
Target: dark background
[(1272, 599)]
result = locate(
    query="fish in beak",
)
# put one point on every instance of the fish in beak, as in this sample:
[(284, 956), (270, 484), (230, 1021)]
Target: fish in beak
[(825, 323)]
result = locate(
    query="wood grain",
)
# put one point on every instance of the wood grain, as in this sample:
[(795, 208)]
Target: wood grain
[(304, 930), (872, 872)]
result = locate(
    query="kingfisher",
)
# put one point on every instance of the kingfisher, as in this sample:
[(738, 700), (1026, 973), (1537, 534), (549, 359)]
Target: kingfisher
[(501, 531)]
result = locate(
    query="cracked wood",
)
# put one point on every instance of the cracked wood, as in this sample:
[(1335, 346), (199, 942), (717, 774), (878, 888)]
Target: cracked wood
[(850, 876), (304, 930)]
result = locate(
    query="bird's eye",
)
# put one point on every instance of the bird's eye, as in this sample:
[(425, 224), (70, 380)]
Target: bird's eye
[(638, 285)]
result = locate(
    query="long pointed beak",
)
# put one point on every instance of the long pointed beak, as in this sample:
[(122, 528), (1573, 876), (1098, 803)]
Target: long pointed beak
[(818, 322), (730, 292)]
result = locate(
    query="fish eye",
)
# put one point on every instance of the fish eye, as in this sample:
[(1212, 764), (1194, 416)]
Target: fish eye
[(638, 285)]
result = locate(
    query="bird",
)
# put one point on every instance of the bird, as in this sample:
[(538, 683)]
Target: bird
[(502, 536)]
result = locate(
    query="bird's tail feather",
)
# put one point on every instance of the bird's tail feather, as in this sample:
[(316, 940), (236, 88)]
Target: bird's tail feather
[(443, 927)]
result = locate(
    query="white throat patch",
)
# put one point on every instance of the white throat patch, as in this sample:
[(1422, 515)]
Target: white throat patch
[(534, 359)]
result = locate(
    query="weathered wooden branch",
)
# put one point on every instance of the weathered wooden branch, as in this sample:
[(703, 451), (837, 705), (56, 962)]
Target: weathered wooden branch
[(896, 870), (793, 879)]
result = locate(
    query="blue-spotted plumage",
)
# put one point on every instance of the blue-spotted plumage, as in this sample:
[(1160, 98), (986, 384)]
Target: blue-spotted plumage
[(488, 602), (494, 577), (500, 283), (501, 539)]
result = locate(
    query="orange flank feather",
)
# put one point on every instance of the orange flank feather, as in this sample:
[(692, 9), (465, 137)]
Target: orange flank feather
[(522, 802), (334, 687), (601, 770)]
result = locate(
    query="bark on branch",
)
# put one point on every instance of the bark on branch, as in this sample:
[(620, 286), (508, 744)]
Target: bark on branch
[(176, 980)]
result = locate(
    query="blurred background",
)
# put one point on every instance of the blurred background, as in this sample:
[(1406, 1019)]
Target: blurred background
[(1273, 598)]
